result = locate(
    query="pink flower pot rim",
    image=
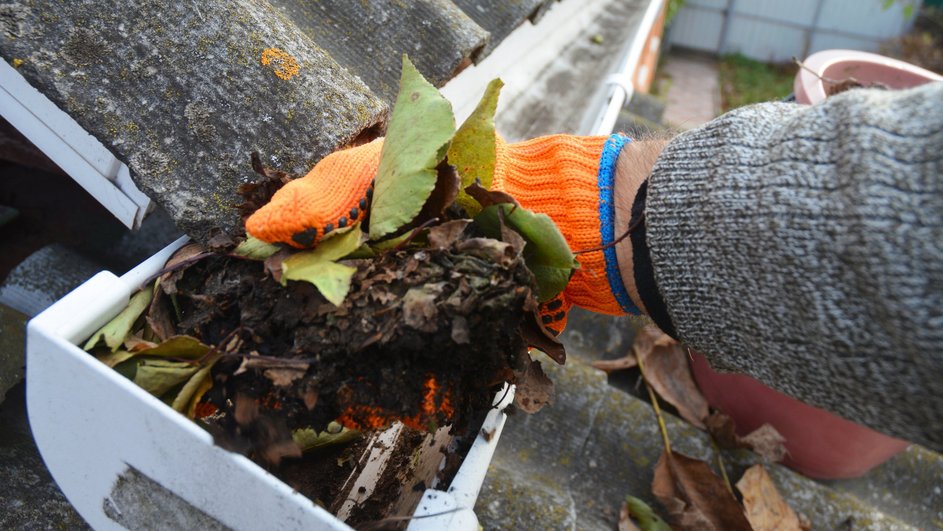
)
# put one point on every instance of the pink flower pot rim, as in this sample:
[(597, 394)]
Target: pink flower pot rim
[(871, 67)]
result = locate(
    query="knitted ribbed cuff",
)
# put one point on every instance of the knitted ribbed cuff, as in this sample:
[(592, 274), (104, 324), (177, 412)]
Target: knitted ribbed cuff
[(569, 178), (607, 220)]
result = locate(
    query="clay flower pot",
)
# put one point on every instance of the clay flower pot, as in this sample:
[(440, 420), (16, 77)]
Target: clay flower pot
[(815, 82), (820, 444)]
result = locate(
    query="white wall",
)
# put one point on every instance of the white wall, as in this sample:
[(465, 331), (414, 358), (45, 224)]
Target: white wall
[(778, 30)]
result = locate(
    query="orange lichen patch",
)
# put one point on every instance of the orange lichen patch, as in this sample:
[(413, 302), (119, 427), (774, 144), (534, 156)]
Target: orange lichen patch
[(361, 417), (285, 66)]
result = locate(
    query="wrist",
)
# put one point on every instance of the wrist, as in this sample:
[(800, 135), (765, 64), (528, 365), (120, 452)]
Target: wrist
[(632, 170)]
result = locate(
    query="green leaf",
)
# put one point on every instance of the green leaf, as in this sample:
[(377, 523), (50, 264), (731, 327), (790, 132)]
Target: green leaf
[(546, 254), (473, 150), (157, 376), (417, 139), (118, 328), (335, 434), (646, 517), (318, 267), (255, 249)]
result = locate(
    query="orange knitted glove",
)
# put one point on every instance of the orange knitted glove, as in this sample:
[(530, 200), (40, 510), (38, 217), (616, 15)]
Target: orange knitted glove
[(567, 177)]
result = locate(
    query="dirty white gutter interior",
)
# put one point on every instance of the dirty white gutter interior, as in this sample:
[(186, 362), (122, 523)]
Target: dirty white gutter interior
[(622, 82)]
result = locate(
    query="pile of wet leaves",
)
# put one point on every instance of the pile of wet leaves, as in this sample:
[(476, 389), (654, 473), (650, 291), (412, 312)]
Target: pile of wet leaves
[(416, 314)]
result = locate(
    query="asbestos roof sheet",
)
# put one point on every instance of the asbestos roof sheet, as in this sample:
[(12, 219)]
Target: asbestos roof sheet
[(185, 91)]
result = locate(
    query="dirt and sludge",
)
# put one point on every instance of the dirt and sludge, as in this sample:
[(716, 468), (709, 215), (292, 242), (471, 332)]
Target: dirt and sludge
[(425, 337)]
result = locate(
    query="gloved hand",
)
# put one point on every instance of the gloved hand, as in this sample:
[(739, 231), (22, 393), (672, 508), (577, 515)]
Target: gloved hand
[(567, 177)]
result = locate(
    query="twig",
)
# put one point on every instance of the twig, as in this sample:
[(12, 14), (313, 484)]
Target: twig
[(655, 406), (802, 65), (179, 265)]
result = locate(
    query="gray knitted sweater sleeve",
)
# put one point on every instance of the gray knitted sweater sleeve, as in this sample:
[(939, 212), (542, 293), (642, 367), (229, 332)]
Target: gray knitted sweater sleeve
[(804, 246)]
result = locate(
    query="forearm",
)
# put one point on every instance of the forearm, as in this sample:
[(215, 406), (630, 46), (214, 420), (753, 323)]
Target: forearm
[(802, 245)]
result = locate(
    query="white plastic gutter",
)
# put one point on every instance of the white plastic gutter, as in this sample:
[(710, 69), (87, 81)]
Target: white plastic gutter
[(82, 156), (622, 80)]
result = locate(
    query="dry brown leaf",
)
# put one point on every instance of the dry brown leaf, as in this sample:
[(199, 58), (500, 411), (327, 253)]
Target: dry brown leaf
[(284, 377), (534, 389), (765, 507), (619, 364), (723, 430), (765, 440), (694, 496), (668, 371), (625, 521), (767, 443), (487, 198), (134, 343), (444, 235)]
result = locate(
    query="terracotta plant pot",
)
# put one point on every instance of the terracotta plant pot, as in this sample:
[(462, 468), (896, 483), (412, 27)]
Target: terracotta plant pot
[(820, 444), (817, 80)]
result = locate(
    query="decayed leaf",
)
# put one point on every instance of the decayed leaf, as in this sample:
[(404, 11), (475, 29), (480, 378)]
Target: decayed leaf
[(534, 389), (765, 507), (444, 235), (186, 400), (419, 310), (255, 249), (546, 254), (668, 371), (117, 329), (417, 140), (473, 150), (536, 335), (190, 251), (765, 440), (185, 347), (335, 434), (318, 267), (114, 358), (496, 251), (641, 512), (694, 496), (157, 376), (158, 315)]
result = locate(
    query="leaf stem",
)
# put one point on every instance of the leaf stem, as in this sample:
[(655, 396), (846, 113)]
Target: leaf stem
[(655, 406), (721, 466)]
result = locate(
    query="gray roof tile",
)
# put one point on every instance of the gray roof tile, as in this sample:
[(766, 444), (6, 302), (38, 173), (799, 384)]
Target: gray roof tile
[(179, 91), (369, 38)]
